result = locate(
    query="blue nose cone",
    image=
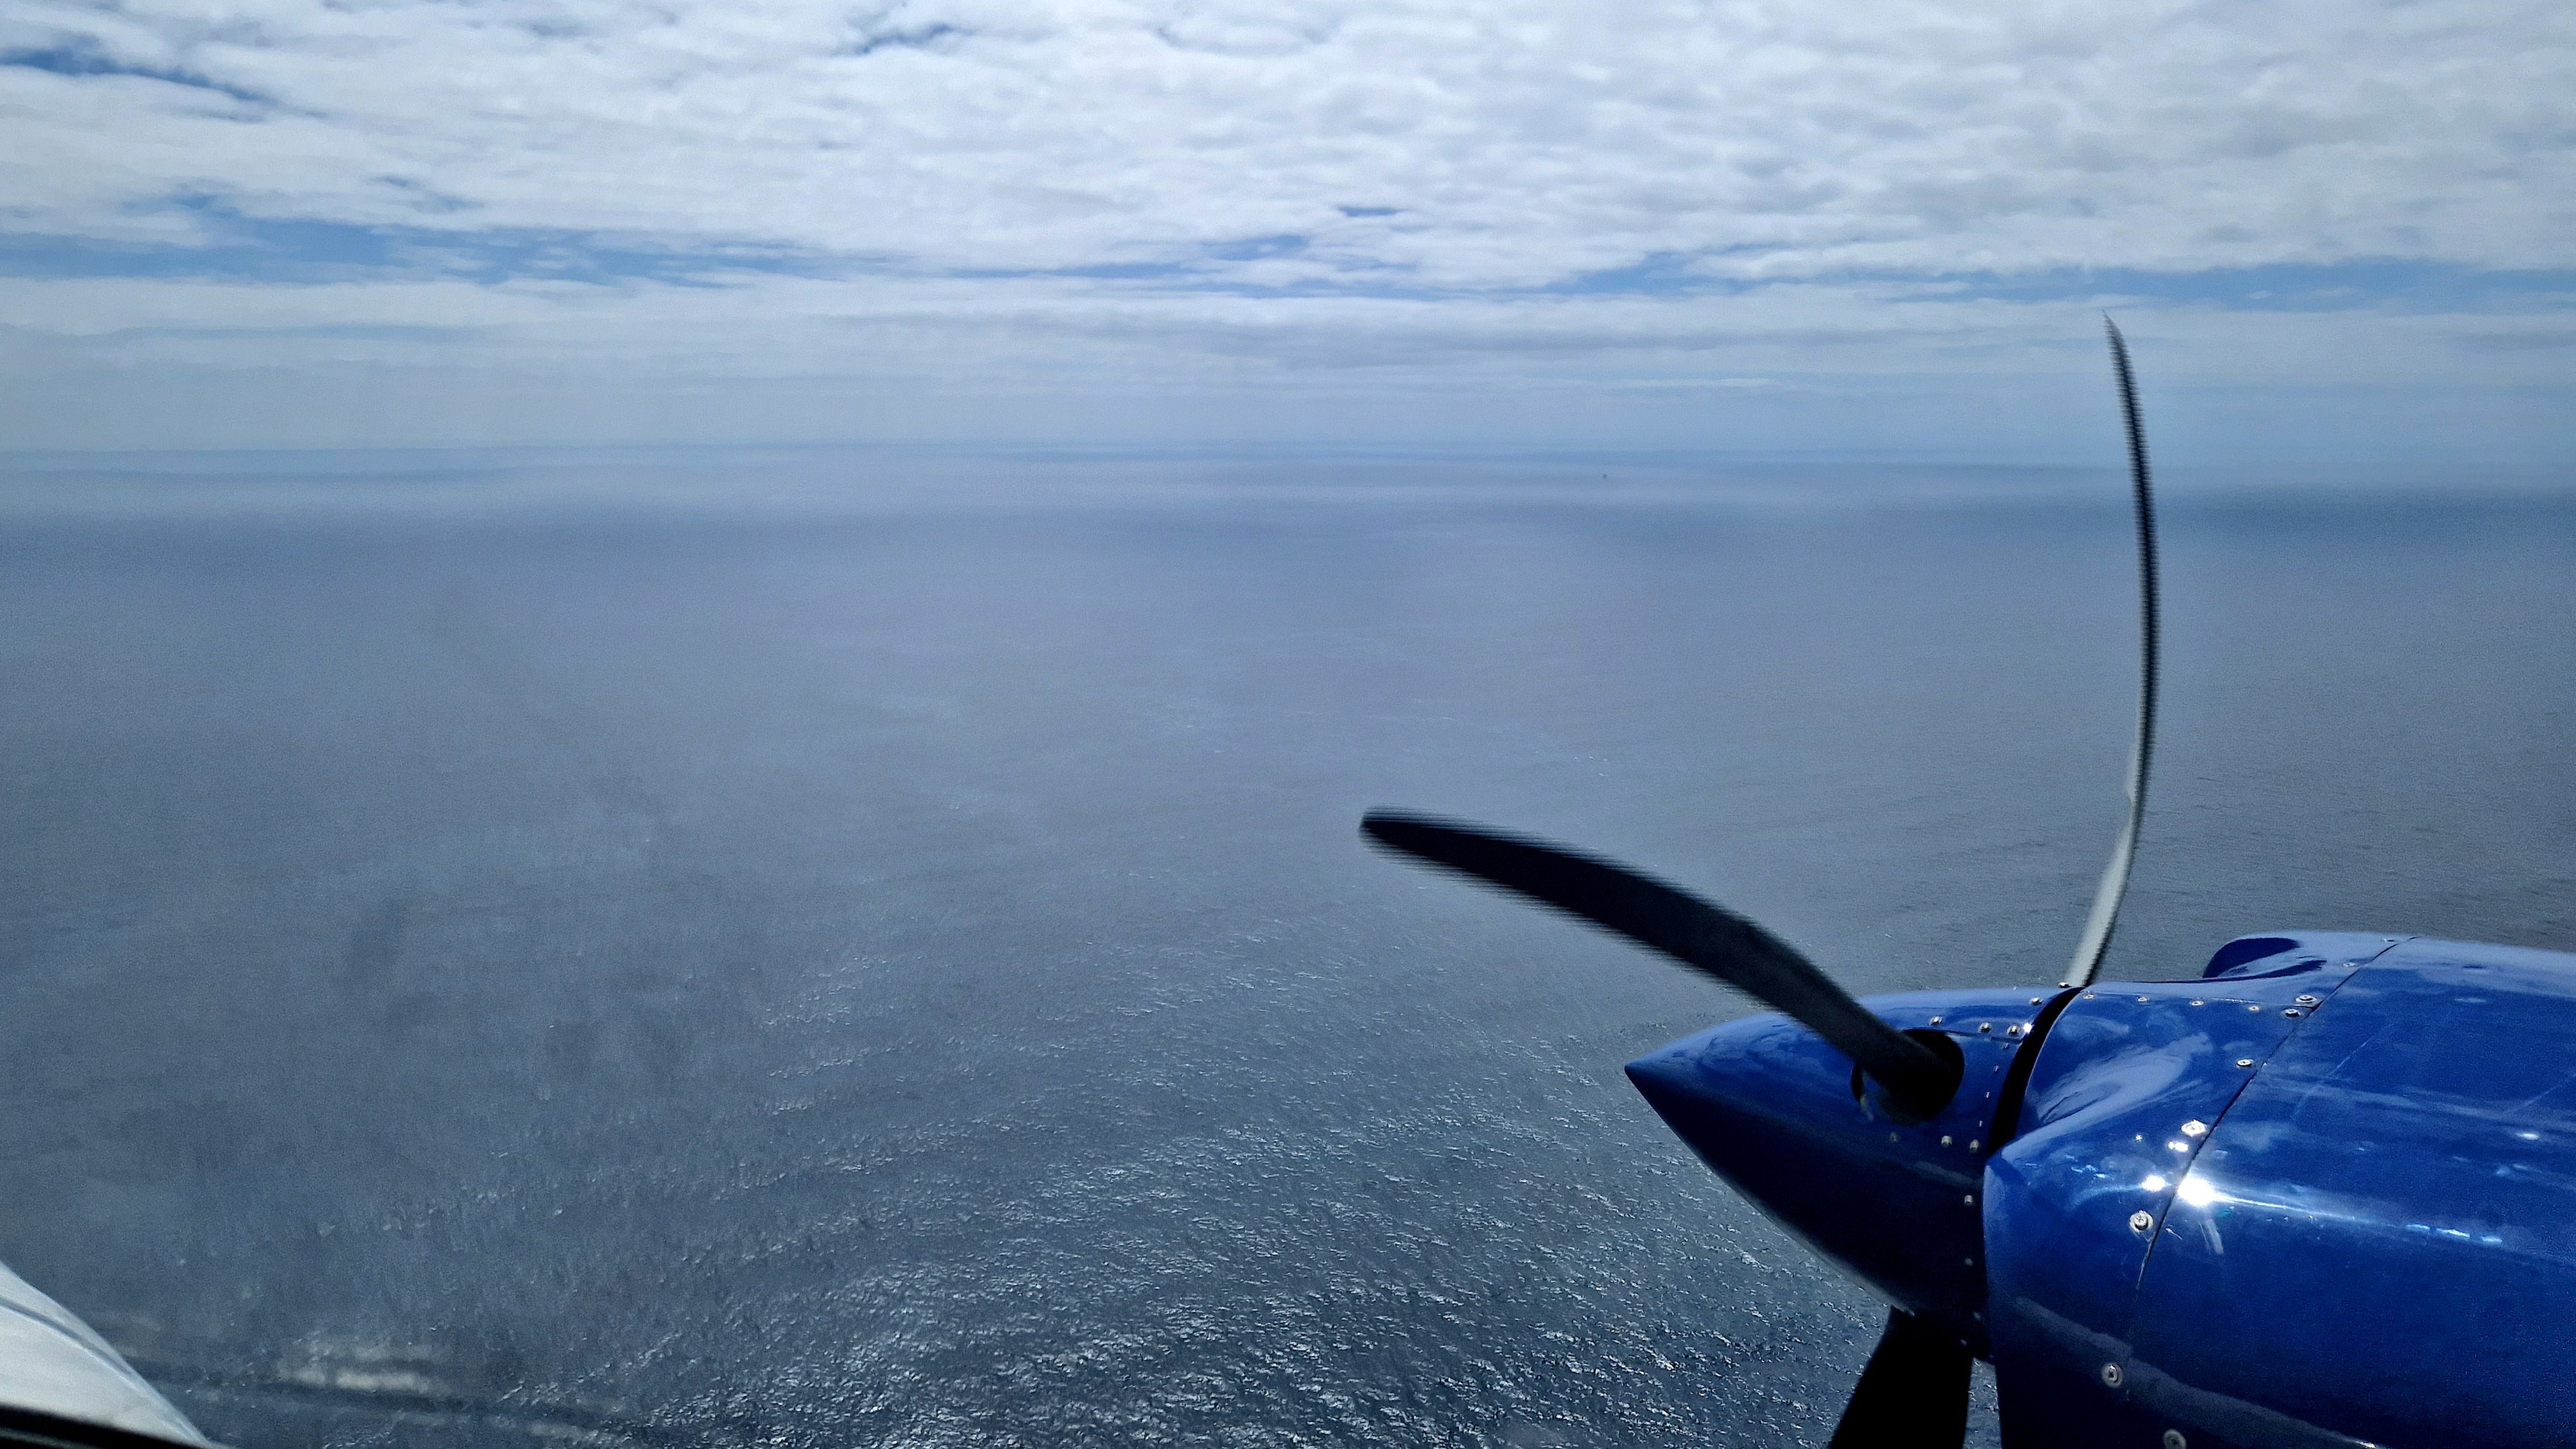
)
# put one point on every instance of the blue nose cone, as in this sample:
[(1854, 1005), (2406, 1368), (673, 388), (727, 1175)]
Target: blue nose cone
[(1774, 1110)]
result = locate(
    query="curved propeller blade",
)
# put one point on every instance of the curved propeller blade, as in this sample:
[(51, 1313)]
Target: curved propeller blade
[(1913, 1395), (2105, 915), (1715, 942)]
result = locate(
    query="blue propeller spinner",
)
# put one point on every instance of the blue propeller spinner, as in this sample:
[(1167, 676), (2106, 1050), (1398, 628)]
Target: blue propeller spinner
[(2322, 1195)]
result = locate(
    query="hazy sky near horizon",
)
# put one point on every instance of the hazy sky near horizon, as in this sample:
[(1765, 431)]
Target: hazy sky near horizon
[(2328, 224)]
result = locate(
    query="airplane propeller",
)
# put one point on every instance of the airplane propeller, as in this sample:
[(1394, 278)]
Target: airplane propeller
[(1914, 1392), (1709, 939), (2096, 940), (1912, 1395)]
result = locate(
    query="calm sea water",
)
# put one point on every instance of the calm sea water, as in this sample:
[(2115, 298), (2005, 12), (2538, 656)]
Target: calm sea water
[(850, 953)]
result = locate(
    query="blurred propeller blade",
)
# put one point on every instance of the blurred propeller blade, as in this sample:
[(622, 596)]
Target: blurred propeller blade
[(2115, 877), (1715, 942), (1913, 1395)]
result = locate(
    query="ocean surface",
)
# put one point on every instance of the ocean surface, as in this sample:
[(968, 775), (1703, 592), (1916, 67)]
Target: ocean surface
[(820, 950)]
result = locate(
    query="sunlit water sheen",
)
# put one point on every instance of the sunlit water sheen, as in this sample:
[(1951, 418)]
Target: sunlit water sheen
[(837, 955)]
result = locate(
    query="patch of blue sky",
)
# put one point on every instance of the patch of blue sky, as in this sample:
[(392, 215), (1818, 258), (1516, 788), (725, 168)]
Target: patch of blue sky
[(238, 247), (1210, 268), (267, 249), (927, 37), (1257, 248), (1103, 272), (84, 58), (1656, 275), (235, 246)]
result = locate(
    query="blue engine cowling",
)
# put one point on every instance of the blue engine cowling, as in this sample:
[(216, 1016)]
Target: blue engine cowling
[(1773, 1109), (2324, 1195)]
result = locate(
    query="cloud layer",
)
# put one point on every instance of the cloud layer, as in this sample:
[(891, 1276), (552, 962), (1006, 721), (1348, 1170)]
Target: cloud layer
[(1122, 193)]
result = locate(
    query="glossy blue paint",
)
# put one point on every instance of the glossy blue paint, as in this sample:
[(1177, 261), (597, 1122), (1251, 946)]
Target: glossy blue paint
[(1773, 1109), (2325, 1195), (2405, 1162), (2127, 1088), (2288, 953)]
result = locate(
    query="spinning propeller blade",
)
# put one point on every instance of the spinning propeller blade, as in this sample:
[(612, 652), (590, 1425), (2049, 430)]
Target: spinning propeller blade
[(1913, 1395), (1710, 940), (2115, 877)]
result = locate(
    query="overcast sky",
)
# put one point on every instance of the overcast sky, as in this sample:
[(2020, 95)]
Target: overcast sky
[(2335, 224)]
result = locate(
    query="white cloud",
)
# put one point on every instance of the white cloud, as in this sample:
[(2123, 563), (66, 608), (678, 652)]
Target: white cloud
[(1390, 185), (1513, 143)]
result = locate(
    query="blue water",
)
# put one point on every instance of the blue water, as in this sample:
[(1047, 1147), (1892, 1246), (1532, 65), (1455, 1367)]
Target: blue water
[(869, 952)]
